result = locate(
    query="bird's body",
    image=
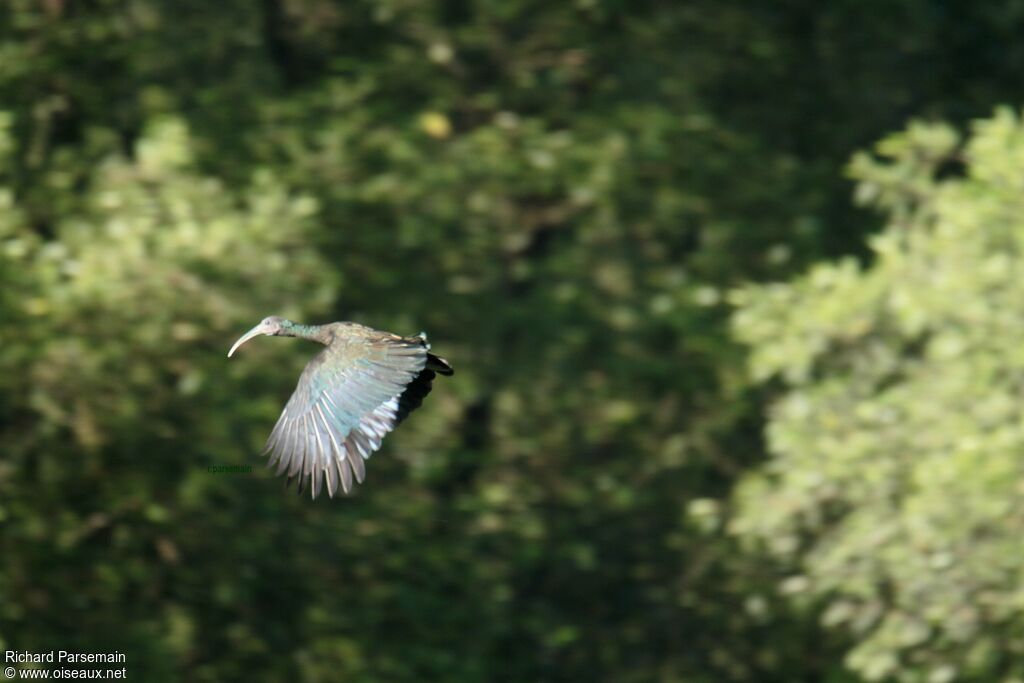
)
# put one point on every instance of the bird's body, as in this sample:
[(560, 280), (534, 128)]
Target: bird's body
[(350, 395)]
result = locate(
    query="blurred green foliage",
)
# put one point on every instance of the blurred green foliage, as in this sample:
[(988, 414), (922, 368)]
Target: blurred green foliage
[(562, 195), (897, 490)]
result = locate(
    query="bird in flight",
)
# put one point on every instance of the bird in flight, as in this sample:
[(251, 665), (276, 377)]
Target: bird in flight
[(348, 398)]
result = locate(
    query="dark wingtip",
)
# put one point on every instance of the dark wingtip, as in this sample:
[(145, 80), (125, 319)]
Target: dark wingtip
[(415, 392)]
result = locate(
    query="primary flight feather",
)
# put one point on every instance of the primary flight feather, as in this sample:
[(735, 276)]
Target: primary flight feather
[(348, 398)]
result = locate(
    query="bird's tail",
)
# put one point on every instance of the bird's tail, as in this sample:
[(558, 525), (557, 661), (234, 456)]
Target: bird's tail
[(439, 365), (435, 363)]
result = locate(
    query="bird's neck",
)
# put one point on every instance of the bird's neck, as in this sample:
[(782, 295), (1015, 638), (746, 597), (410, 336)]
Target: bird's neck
[(317, 333)]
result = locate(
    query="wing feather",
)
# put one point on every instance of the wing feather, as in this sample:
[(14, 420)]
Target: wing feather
[(334, 451), (346, 402), (345, 465), (357, 467)]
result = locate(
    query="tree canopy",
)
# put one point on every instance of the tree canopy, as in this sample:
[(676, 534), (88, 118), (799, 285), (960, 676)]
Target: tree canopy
[(896, 484)]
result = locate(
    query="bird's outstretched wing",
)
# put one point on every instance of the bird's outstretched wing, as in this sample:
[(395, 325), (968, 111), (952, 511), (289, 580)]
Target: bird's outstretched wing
[(348, 398)]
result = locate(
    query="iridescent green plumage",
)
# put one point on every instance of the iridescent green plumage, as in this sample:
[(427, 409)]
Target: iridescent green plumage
[(348, 398)]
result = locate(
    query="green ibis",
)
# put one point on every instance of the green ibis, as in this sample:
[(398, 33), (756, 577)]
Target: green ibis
[(348, 398)]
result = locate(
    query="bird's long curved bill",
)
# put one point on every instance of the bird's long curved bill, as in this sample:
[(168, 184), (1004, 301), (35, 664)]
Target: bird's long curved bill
[(254, 332)]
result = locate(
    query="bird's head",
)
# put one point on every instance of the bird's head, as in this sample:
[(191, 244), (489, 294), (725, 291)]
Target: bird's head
[(271, 326)]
